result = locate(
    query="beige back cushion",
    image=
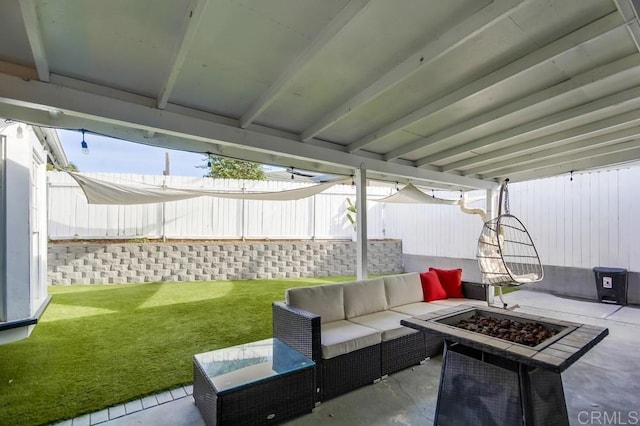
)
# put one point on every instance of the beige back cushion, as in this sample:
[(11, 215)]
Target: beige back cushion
[(324, 300), (403, 289), (364, 297)]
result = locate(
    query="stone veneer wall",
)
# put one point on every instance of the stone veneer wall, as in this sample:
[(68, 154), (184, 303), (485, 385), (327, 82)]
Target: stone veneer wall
[(81, 263)]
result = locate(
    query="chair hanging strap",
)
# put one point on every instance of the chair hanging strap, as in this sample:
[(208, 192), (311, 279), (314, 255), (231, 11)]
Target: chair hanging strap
[(504, 196)]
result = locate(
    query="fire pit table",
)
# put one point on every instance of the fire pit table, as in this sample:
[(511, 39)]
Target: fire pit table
[(491, 381)]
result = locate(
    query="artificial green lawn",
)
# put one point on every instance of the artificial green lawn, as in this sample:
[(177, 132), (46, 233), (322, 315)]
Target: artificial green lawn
[(100, 345)]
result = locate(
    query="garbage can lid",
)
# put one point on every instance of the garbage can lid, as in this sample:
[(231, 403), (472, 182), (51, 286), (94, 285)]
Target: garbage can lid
[(609, 270)]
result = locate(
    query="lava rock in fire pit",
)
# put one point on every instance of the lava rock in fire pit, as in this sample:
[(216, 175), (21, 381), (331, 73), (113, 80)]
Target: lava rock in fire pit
[(528, 333)]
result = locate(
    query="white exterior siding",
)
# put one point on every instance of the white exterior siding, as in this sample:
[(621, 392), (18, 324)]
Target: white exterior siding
[(24, 277)]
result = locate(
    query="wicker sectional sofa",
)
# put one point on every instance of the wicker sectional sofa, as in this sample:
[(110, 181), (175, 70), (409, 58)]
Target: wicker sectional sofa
[(352, 330)]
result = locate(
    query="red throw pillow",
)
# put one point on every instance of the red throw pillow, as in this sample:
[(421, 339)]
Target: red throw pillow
[(431, 287), (451, 280)]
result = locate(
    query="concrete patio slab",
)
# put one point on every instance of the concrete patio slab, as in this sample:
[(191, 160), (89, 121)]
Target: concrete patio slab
[(550, 302), (628, 314)]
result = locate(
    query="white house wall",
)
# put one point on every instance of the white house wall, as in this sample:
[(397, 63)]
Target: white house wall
[(18, 262), (25, 231)]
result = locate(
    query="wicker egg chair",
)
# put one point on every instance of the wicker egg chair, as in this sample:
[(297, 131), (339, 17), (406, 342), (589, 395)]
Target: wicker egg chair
[(506, 254)]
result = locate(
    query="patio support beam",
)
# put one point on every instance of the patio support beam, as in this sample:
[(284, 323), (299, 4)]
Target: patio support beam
[(575, 40), (501, 117), (568, 166), (337, 25), (431, 52), (121, 109), (603, 128), (32, 27), (574, 156), (190, 27), (573, 147), (630, 15), (361, 223), (586, 164), (595, 110)]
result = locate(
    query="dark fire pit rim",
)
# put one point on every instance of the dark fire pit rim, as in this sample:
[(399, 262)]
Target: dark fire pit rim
[(556, 357), (565, 328)]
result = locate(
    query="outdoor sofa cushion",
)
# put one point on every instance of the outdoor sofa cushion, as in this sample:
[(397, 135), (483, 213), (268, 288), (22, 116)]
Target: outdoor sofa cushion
[(418, 308), (403, 289), (364, 297), (455, 301), (451, 280), (388, 322), (431, 287), (324, 300), (341, 337)]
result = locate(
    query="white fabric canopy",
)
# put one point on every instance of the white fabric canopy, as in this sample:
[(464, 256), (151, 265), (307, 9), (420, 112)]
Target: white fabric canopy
[(412, 195), (99, 191)]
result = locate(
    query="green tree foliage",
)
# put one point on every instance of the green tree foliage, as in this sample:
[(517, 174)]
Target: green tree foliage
[(71, 167), (230, 168)]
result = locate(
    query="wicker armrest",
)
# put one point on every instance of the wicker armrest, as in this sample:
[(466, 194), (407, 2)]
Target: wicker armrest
[(477, 291), (297, 328)]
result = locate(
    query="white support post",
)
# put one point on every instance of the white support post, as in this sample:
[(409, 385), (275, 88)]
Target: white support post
[(361, 223), (491, 211)]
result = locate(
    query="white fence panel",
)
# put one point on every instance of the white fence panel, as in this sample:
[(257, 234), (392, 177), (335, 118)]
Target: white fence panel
[(585, 222), (321, 216), (435, 230)]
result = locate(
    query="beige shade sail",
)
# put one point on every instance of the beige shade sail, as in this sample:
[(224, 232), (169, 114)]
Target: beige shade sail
[(100, 191), (412, 195)]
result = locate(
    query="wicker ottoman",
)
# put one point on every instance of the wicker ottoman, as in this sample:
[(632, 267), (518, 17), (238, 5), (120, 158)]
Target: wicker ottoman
[(264, 382)]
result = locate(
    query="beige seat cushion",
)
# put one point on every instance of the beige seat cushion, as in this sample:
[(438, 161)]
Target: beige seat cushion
[(453, 301), (341, 337), (403, 289), (388, 322), (324, 300), (364, 297), (419, 308)]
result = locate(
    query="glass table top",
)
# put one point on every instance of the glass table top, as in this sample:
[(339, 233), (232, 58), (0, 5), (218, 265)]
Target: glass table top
[(238, 366)]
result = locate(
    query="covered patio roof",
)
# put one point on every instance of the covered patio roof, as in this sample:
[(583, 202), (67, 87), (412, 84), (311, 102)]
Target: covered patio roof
[(453, 94)]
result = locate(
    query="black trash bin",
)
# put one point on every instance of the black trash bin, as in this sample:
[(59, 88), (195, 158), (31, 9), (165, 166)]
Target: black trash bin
[(611, 284)]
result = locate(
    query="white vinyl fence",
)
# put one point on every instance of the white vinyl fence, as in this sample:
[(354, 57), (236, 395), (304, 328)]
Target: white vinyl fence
[(322, 216), (592, 220), (589, 221)]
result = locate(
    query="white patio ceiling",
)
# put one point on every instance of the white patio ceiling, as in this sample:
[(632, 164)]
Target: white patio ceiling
[(450, 94)]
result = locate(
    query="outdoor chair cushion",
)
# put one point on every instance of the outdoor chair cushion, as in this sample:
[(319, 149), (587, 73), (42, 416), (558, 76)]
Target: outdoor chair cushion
[(341, 337), (364, 297), (418, 308), (431, 287), (403, 289), (324, 300), (388, 322)]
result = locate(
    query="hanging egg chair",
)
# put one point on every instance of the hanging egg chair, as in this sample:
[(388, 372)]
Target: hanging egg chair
[(506, 254)]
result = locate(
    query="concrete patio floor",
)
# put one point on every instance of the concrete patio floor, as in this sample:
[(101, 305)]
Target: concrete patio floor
[(600, 387)]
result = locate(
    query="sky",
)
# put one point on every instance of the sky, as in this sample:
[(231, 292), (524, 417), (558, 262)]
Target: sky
[(117, 156)]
